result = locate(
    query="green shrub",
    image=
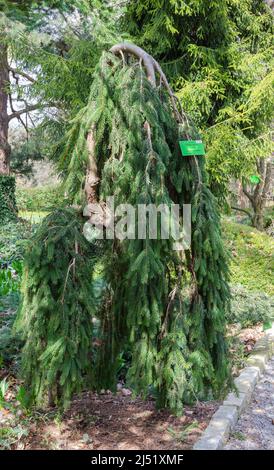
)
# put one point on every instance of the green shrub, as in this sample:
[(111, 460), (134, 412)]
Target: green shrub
[(249, 308), (40, 198), (10, 280), (10, 283), (8, 209), (12, 238), (10, 342), (251, 257)]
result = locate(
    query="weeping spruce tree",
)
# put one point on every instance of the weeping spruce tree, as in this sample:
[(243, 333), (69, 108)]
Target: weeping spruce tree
[(164, 307)]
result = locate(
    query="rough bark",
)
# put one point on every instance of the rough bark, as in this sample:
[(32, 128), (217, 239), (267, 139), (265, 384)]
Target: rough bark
[(258, 197), (140, 54), (92, 178), (97, 211), (4, 118), (151, 67)]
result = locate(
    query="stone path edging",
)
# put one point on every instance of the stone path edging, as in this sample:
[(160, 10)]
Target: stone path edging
[(222, 422)]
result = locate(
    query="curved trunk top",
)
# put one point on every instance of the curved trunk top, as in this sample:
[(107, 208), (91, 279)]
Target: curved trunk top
[(152, 67)]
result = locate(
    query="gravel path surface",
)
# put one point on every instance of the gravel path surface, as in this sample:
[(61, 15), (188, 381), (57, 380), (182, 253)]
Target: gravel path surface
[(255, 428)]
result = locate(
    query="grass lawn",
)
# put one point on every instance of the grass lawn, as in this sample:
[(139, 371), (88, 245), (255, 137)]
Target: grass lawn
[(34, 217), (251, 256)]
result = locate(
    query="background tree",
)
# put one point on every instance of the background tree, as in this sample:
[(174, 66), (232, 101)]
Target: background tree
[(26, 149), (219, 56), (260, 193), (14, 19), (48, 52)]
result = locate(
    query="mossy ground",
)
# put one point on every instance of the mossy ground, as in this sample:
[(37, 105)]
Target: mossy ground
[(251, 256)]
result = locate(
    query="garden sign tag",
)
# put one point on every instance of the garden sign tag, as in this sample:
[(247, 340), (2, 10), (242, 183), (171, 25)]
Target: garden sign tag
[(192, 147), (254, 179)]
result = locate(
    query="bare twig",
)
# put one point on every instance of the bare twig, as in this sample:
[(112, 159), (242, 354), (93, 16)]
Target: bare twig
[(72, 264), (172, 295), (27, 109), (92, 178), (246, 211), (15, 71)]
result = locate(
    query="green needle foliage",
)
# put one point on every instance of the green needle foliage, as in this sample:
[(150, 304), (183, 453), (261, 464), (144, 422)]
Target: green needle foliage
[(8, 208), (218, 54), (56, 313), (164, 307)]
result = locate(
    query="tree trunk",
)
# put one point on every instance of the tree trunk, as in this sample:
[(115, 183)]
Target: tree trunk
[(4, 119), (258, 197), (258, 217), (8, 210)]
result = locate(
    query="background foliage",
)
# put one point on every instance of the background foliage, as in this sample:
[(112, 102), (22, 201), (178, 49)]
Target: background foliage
[(219, 57), (251, 257), (8, 208), (40, 198), (250, 308)]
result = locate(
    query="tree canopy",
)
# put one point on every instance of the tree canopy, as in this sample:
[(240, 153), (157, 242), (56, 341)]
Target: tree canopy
[(219, 57), (166, 309)]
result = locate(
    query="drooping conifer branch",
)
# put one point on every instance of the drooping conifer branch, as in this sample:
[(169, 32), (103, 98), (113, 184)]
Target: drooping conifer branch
[(151, 67), (165, 310), (138, 52)]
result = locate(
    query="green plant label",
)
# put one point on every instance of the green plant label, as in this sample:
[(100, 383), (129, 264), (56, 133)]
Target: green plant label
[(267, 325), (192, 147), (254, 179)]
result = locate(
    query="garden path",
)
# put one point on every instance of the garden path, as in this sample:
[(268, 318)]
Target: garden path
[(255, 428)]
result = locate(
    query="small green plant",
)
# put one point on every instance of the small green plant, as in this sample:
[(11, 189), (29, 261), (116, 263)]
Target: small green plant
[(23, 398), (238, 435), (58, 418), (10, 278), (186, 430), (4, 386), (9, 436)]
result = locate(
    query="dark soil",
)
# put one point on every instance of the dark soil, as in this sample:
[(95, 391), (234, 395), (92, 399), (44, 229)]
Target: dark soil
[(111, 422)]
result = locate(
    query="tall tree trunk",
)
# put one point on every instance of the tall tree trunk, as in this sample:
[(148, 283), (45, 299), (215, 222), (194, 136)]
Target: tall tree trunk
[(258, 197), (4, 119), (258, 217), (8, 210)]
